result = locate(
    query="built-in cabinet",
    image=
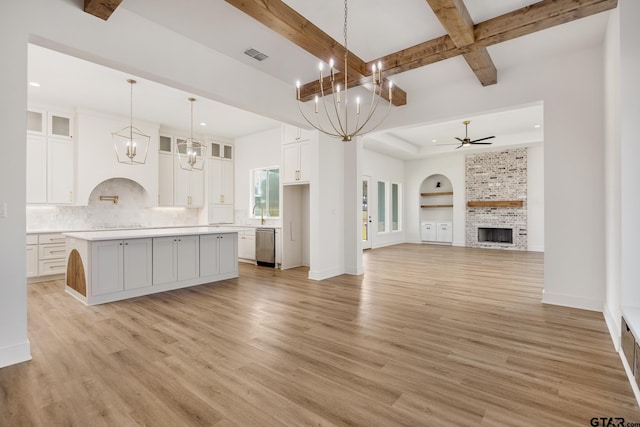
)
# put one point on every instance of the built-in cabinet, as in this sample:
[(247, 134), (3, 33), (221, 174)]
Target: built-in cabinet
[(441, 232), (175, 259), (119, 265), (218, 254), (177, 186), (46, 256), (247, 245), (50, 158), (296, 155), (296, 160), (220, 183)]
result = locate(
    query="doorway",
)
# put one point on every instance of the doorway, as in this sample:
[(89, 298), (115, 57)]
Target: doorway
[(366, 216)]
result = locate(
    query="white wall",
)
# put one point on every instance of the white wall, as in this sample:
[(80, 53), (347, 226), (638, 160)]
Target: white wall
[(612, 175), (14, 344), (535, 197), (259, 150), (383, 168), (629, 151)]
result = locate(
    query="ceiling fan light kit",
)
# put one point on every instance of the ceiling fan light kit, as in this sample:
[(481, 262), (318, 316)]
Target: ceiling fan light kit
[(340, 120)]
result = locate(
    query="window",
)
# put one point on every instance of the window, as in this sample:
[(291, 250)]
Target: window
[(265, 193), (389, 207), (382, 204), (396, 211)]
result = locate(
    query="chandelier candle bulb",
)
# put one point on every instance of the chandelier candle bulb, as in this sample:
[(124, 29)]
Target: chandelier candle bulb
[(373, 74), (380, 72), (338, 93), (316, 104), (390, 90), (298, 90), (358, 105)]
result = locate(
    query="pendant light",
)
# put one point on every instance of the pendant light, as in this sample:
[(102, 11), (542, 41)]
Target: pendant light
[(130, 143), (191, 152)]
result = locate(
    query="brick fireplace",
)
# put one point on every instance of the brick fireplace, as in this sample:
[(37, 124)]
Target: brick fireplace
[(496, 189)]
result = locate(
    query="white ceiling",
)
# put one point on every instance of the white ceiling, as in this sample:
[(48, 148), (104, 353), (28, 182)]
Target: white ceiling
[(375, 29)]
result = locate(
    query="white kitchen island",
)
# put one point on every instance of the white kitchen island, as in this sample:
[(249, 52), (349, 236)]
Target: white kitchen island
[(111, 265)]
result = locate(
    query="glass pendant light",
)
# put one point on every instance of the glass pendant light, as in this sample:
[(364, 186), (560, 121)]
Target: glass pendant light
[(191, 152)]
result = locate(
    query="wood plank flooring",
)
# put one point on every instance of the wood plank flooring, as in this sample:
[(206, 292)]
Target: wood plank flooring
[(429, 336)]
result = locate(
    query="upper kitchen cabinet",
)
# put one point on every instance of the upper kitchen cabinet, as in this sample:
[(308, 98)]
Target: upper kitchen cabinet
[(220, 150), (50, 158), (176, 186), (296, 155), (220, 182), (295, 134)]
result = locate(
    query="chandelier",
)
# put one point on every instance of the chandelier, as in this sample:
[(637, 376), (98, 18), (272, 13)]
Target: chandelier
[(130, 143), (191, 152), (340, 120)]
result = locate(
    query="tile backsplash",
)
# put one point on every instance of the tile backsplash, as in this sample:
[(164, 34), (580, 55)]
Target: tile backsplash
[(131, 211)]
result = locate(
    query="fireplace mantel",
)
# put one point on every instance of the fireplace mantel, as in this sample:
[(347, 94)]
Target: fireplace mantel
[(495, 204)]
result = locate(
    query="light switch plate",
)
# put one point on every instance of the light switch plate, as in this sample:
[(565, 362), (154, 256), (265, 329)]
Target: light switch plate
[(3, 210)]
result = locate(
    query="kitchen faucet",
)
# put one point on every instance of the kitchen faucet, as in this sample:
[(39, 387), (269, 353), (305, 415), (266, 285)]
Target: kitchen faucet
[(261, 213)]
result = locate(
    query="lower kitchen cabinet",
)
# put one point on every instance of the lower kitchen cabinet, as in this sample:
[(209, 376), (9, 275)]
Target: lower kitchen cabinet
[(121, 265), (218, 254), (32, 260), (175, 259), (46, 256), (247, 245)]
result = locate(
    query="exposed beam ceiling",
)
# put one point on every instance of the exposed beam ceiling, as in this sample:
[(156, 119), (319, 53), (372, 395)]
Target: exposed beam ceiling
[(284, 20), (101, 8), (527, 20), (455, 19)]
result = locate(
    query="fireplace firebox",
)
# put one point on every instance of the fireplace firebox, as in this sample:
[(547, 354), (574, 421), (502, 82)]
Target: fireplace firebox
[(495, 235)]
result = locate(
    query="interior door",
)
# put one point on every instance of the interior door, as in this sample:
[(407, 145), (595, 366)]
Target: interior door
[(366, 216)]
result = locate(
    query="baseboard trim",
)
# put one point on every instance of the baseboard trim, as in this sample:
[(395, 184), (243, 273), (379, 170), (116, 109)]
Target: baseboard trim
[(614, 327), (14, 354), (572, 301), (536, 248), (325, 274)]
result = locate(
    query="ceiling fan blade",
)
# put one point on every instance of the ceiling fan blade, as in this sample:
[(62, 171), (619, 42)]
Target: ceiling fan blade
[(459, 146), (459, 139), (481, 143), (482, 139)]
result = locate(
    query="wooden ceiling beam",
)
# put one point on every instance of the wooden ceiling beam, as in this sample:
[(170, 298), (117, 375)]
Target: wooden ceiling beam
[(284, 20), (101, 8), (527, 20), (457, 22)]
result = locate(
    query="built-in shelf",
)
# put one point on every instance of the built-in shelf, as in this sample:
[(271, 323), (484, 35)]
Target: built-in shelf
[(496, 204), (436, 206), (443, 193)]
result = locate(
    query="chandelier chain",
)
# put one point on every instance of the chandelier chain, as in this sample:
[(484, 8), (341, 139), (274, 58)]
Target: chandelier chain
[(346, 50)]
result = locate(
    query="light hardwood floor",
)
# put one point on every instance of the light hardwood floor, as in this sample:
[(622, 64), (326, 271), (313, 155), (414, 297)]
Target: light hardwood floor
[(429, 336)]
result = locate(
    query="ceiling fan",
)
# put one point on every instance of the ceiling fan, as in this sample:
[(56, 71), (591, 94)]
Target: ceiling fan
[(467, 141)]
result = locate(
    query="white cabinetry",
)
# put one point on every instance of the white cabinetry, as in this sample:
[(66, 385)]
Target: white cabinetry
[(220, 190), (59, 171), (188, 187), (50, 153), (437, 232), (218, 254), (36, 169), (444, 233), (175, 259), (165, 179), (247, 245), (177, 186), (51, 253), (121, 265), (32, 255), (296, 161)]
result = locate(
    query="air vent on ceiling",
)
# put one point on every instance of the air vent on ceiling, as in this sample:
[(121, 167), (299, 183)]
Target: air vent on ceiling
[(255, 54)]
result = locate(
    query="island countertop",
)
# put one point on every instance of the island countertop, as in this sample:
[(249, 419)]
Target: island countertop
[(139, 233)]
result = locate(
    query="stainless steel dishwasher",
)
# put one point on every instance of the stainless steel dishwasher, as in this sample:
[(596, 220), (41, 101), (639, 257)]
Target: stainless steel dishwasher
[(266, 246)]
